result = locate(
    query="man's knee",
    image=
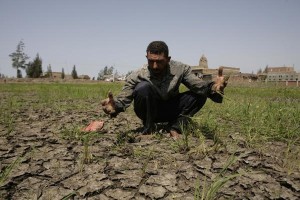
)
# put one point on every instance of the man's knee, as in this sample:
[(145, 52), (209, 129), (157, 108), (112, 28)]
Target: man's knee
[(191, 97), (143, 89), (144, 101), (191, 103)]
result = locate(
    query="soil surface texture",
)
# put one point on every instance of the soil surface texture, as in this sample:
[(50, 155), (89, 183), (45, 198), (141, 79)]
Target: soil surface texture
[(45, 156)]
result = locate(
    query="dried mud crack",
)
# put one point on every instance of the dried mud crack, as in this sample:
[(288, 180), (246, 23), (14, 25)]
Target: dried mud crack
[(45, 157)]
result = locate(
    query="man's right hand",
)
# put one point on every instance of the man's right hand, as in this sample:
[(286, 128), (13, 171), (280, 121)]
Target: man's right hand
[(109, 105)]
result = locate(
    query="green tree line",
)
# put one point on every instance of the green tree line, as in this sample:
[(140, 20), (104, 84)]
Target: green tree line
[(34, 68)]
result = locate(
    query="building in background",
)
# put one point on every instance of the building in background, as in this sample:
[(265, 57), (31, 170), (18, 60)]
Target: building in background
[(58, 75), (85, 77), (202, 70), (281, 74)]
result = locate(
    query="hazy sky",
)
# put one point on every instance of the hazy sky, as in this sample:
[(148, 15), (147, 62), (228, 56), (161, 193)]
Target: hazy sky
[(91, 34)]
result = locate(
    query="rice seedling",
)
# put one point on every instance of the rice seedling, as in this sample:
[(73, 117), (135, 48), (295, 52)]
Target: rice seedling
[(210, 191), (183, 143), (4, 174), (71, 133), (9, 104), (87, 155), (7, 171), (69, 196), (291, 161), (7, 120), (146, 155)]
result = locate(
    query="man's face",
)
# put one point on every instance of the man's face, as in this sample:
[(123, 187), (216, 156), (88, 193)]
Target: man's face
[(157, 62)]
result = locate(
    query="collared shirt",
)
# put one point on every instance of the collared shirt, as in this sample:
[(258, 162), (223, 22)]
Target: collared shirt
[(167, 86)]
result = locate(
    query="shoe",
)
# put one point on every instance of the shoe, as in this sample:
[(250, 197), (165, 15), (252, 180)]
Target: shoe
[(149, 129)]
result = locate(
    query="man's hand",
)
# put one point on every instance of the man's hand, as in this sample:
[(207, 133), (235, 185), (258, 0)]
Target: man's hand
[(109, 105), (220, 82)]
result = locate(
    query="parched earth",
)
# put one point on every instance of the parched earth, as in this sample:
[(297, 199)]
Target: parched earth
[(54, 161)]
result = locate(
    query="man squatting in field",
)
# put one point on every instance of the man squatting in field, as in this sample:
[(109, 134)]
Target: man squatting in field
[(154, 89)]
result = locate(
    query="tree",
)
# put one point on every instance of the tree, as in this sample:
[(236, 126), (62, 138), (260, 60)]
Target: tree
[(19, 73), (19, 58), (266, 69), (74, 73), (100, 75), (104, 72), (62, 73), (49, 72), (110, 70), (259, 71), (34, 68), (116, 74)]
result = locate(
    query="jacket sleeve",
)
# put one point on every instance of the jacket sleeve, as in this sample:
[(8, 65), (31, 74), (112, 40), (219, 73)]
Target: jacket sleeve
[(125, 97), (199, 86)]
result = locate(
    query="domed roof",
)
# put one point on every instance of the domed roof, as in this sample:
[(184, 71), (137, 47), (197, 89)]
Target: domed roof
[(203, 62)]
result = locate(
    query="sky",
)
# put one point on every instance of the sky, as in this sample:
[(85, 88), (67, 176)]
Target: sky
[(92, 34)]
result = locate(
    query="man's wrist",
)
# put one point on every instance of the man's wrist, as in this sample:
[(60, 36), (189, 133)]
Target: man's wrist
[(119, 107), (213, 87)]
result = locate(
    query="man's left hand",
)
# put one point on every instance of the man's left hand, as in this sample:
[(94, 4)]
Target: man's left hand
[(220, 82)]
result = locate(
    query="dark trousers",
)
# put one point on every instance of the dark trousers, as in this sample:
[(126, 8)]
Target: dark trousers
[(150, 108)]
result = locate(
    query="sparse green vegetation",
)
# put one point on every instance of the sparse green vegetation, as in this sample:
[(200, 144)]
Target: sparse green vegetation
[(5, 173), (260, 114), (251, 120), (209, 191)]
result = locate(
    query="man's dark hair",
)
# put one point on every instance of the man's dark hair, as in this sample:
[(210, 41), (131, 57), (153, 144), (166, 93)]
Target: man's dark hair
[(158, 47)]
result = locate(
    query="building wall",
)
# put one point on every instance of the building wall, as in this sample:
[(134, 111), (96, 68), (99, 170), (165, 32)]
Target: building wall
[(202, 69), (226, 70), (57, 75), (283, 76), (230, 70), (280, 69)]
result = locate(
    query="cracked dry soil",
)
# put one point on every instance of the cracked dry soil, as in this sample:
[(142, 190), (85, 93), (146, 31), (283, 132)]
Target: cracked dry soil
[(52, 167)]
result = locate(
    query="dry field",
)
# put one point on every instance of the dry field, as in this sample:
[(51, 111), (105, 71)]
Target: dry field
[(246, 148)]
